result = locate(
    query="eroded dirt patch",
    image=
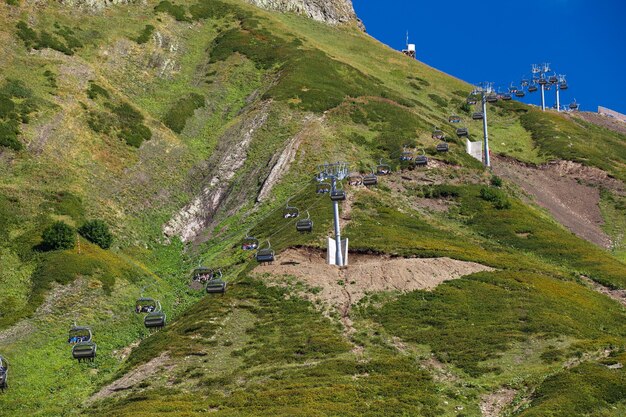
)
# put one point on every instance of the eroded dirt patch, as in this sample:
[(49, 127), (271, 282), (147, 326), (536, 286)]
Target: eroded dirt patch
[(492, 405), (562, 189), (366, 274), (617, 295)]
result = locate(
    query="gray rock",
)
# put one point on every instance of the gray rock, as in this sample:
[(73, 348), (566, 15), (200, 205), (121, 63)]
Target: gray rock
[(333, 12)]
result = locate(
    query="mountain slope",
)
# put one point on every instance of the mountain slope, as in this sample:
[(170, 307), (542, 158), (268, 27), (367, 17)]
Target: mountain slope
[(189, 125)]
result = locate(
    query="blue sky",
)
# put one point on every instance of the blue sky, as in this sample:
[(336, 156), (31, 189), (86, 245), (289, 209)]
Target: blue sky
[(496, 40)]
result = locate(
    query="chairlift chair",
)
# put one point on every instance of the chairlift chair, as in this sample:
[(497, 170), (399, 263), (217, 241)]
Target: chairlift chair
[(323, 188), (4, 373), (305, 225), (216, 284), (145, 305), (513, 89), (265, 254), (421, 160), (437, 134), (454, 119), (337, 195), (383, 169), (156, 318), (249, 243), (478, 115), (406, 155), (202, 273), (370, 180), (520, 93), (563, 86), (83, 349), (355, 179), (573, 105), (542, 81), (506, 97), (443, 147), (471, 100), (524, 82), (491, 98), (290, 212), (553, 79), (462, 131)]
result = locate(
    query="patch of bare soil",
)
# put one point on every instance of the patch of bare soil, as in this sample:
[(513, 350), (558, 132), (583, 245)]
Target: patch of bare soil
[(604, 121), (134, 377), (366, 273), (492, 405), (557, 187), (341, 288), (617, 295)]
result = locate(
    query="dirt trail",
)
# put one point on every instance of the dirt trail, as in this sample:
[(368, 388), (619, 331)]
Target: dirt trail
[(342, 288), (617, 295), (558, 188)]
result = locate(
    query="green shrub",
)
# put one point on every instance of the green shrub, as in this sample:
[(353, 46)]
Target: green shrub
[(440, 101), (174, 10), (6, 107), (135, 135), (45, 39), (16, 89), (59, 236), (183, 109), (145, 34), (210, 9), (51, 77), (26, 34), (95, 90), (97, 231), (48, 40), (497, 197), (67, 34), (8, 135), (496, 181), (99, 122)]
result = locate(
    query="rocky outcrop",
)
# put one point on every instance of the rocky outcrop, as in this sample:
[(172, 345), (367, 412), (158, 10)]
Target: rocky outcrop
[(229, 157), (281, 163), (333, 12)]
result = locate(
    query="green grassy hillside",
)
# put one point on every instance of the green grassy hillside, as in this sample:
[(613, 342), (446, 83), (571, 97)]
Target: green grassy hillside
[(140, 112)]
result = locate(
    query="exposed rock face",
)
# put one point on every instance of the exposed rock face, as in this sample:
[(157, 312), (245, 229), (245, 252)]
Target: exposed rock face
[(329, 11), (224, 164)]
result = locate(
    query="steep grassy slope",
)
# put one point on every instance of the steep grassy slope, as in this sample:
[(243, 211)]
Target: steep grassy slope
[(138, 112)]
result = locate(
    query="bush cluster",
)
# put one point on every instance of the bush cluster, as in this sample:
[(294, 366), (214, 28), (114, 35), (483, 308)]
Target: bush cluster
[(94, 91), (16, 104), (63, 39), (183, 109), (496, 181), (145, 34), (123, 119), (59, 235), (174, 10), (497, 197), (97, 231)]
